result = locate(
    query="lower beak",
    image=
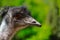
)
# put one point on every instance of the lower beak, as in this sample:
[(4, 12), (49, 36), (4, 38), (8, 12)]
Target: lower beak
[(32, 21)]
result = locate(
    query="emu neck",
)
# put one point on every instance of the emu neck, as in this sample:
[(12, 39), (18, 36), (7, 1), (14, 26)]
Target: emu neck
[(8, 31), (5, 30)]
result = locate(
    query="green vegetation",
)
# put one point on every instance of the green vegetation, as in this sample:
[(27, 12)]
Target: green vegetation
[(40, 10)]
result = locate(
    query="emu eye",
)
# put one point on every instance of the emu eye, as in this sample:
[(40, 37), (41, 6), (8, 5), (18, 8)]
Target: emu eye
[(18, 16)]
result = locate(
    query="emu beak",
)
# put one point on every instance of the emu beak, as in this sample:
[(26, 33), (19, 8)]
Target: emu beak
[(32, 21)]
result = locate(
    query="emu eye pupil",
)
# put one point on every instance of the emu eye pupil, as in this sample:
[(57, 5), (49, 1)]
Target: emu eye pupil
[(17, 16)]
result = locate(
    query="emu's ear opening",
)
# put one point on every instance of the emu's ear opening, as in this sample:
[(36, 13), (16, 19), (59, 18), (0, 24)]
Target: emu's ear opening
[(31, 21)]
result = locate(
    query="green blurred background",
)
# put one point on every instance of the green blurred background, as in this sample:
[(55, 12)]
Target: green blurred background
[(43, 11)]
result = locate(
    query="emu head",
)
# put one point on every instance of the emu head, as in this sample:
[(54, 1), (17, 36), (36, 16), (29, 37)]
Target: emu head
[(20, 16)]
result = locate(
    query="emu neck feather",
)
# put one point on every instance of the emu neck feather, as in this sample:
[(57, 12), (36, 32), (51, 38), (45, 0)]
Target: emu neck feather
[(7, 32)]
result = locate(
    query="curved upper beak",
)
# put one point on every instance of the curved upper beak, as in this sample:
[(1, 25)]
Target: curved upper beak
[(32, 21)]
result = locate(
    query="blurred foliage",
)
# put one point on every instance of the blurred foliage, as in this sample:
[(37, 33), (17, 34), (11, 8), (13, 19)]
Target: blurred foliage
[(40, 10)]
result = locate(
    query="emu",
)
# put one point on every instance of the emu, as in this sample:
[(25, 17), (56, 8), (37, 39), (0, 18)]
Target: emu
[(14, 19)]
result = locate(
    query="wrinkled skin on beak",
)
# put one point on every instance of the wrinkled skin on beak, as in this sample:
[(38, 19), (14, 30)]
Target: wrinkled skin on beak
[(28, 21), (31, 21)]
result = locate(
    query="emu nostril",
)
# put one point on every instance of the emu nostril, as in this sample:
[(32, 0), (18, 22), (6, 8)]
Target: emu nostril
[(33, 22)]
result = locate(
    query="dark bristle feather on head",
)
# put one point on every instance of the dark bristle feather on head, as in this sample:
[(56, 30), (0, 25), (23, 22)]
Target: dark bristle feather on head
[(22, 12)]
